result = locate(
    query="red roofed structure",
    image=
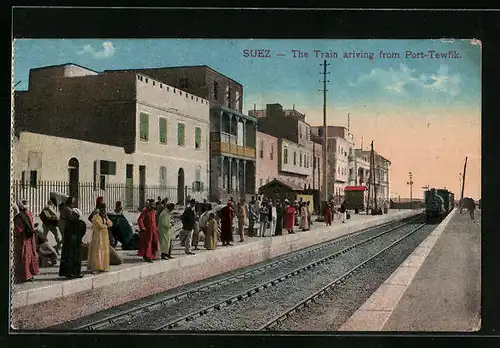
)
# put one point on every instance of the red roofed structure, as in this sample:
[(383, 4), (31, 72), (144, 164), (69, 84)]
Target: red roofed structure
[(355, 188)]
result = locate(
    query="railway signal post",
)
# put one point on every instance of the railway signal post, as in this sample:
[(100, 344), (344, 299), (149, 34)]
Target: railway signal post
[(411, 184)]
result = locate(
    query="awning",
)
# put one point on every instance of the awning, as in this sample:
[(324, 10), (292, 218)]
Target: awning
[(355, 188)]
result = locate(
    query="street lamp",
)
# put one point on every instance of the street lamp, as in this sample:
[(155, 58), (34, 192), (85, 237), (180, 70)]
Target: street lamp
[(411, 184)]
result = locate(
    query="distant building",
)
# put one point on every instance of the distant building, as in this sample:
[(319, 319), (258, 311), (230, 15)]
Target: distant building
[(382, 168), (232, 134), (340, 157), (267, 159), (75, 124), (297, 156)]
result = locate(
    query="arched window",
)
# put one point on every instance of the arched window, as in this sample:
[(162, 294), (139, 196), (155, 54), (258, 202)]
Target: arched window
[(261, 149)]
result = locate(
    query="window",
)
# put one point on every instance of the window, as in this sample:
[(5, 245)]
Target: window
[(294, 158), (180, 134), (300, 163), (261, 152), (153, 83), (285, 156), (163, 176), (228, 96), (144, 126), (197, 138), (198, 174), (146, 80), (163, 130), (216, 90), (33, 178), (237, 100), (300, 132), (184, 82), (271, 155), (139, 77), (108, 168)]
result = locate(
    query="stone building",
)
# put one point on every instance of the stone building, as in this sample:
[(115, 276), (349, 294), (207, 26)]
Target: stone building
[(232, 133), (74, 124), (297, 154), (339, 158), (382, 168)]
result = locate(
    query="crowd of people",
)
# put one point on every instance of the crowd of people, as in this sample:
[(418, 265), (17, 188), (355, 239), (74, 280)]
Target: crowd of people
[(156, 232)]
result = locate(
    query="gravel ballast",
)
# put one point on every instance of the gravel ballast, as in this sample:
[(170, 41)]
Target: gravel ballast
[(251, 313), (196, 300)]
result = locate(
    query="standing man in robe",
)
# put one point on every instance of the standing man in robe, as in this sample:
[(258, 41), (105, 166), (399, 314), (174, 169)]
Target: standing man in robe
[(227, 214), (74, 230), (165, 230), (241, 212), (280, 212), (289, 218), (253, 212), (148, 238)]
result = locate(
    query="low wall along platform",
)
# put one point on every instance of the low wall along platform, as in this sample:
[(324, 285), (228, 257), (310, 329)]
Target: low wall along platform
[(66, 300)]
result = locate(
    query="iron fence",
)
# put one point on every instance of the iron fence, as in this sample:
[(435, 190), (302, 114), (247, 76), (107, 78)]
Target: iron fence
[(132, 197)]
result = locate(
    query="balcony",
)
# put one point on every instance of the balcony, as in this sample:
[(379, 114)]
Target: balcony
[(232, 149), (225, 143)]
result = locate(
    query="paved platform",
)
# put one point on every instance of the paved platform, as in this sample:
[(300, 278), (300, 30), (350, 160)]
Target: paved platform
[(134, 279), (437, 288)]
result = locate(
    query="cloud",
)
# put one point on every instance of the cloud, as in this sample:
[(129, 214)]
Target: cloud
[(404, 80), (108, 50)]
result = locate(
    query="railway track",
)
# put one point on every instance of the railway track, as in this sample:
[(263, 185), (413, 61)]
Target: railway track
[(322, 253), (282, 317)]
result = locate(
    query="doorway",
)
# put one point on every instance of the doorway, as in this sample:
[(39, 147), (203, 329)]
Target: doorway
[(74, 178), (142, 187), (180, 186)]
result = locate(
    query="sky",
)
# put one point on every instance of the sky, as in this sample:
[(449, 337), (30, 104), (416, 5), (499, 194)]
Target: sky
[(423, 112)]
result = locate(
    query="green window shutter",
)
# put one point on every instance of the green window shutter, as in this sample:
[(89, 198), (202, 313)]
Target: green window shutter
[(163, 131), (180, 134), (144, 126), (197, 138)]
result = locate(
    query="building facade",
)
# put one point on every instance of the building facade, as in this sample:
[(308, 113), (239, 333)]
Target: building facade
[(298, 157), (340, 145), (267, 159), (382, 168), (111, 127), (232, 134)]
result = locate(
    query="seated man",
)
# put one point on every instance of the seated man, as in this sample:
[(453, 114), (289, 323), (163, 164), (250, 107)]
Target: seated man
[(47, 256)]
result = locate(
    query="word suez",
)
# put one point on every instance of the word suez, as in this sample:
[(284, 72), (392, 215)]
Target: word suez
[(257, 53)]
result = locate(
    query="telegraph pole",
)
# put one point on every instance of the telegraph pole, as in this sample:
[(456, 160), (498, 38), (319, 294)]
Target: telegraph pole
[(325, 166), (463, 186), (411, 184)]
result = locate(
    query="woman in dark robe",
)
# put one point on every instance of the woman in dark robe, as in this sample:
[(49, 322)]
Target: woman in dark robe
[(227, 214), (25, 257), (279, 218), (328, 213), (75, 228)]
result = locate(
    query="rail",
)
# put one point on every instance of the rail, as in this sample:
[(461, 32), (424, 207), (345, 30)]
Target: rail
[(130, 313), (282, 317)]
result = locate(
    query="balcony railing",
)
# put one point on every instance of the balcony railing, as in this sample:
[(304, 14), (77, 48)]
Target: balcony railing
[(233, 149), (223, 137)]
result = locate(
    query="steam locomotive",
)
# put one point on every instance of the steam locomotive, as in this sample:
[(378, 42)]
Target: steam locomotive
[(438, 204)]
